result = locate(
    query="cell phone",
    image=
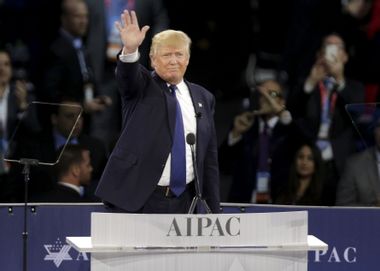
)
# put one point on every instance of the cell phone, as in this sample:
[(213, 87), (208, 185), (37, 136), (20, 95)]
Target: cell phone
[(331, 52)]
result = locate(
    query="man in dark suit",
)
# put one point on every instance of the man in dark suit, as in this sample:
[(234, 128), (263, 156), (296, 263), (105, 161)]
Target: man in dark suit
[(319, 106), (73, 171), (257, 148), (138, 175), (14, 114), (69, 69)]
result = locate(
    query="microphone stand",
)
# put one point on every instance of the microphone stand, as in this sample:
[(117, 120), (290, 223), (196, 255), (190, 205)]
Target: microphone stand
[(26, 171), (198, 195)]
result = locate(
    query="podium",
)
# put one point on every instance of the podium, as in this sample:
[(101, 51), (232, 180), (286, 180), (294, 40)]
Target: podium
[(220, 242)]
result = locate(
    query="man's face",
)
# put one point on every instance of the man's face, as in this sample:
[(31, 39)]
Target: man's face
[(5, 68), (170, 63), (75, 21), (274, 90), (85, 168), (336, 42), (66, 118)]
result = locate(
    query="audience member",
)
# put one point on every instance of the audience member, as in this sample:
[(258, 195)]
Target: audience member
[(319, 107), (360, 181), (14, 101), (63, 121), (72, 172), (257, 148), (306, 178), (312, 20), (69, 71)]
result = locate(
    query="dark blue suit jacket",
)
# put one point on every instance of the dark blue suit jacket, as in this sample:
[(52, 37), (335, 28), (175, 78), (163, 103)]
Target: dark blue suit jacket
[(138, 159)]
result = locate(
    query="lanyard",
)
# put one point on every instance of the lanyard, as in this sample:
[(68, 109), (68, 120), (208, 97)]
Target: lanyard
[(327, 102)]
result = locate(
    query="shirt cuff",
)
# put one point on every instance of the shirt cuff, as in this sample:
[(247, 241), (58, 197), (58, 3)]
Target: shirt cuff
[(233, 140), (129, 58), (308, 87)]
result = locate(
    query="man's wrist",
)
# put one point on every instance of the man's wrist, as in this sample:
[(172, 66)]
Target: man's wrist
[(309, 85), (129, 57), (233, 138)]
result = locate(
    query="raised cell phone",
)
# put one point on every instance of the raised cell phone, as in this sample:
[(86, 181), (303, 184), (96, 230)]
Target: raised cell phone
[(331, 52)]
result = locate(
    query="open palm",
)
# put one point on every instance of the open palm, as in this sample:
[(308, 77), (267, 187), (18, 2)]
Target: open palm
[(130, 33)]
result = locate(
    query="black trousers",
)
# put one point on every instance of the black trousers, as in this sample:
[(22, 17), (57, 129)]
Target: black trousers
[(163, 201)]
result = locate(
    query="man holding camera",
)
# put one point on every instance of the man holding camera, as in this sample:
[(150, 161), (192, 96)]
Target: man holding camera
[(319, 105)]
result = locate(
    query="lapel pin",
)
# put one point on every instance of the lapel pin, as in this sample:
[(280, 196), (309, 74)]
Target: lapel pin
[(200, 104)]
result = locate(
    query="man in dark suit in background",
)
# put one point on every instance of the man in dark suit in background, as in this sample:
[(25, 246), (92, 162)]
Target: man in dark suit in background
[(73, 171), (63, 120), (257, 147), (319, 105), (140, 172), (69, 69), (14, 114)]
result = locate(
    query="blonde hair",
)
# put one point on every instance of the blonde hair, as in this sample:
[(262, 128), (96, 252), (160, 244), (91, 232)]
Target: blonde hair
[(170, 37)]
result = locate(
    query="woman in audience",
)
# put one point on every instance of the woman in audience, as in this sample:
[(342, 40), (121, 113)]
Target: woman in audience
[(305, 184)]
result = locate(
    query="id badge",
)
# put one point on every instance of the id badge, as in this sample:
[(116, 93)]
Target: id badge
[(324, 130), (262, 181)]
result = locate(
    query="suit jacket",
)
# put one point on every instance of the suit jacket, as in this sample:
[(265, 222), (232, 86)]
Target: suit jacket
[(360, 182), (63, 76), (138, 159), (60, 193)]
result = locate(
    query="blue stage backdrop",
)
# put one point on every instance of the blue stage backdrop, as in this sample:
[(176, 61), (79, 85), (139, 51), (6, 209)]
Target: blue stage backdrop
[(352, 234)]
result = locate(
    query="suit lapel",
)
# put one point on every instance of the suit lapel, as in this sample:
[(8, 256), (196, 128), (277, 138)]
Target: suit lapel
[(170, 103), (198, 104)]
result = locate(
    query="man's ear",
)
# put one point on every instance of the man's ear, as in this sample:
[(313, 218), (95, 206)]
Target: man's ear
[(75, 170)]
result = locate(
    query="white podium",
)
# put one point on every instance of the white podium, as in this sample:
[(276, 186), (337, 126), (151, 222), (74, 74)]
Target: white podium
[(220, 242)]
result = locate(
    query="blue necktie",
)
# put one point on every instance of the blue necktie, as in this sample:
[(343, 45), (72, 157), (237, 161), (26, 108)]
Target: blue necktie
[(178, 154), (264, 149)]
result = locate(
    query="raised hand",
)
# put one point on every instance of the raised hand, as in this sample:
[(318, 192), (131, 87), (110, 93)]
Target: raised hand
[(270, 105), (130, 33), (242, 123), (336, 68), (317, 72)]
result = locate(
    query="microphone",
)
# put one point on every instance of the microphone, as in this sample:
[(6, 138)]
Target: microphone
[(198, 115), (190, 139)]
